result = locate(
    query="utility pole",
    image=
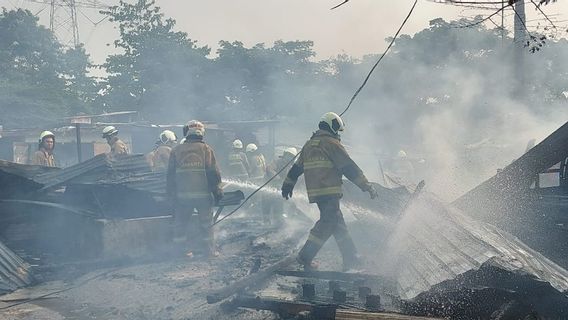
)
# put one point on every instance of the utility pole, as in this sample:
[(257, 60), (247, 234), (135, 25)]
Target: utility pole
[(63, 17), (502, 23)]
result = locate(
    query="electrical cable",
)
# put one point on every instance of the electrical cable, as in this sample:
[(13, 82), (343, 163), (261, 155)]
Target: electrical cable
[(380, 59), (344, 111), (255, 191)]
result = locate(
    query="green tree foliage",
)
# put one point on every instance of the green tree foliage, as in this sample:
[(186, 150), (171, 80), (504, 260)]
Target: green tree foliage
[(256, 82), (159, 71), (39, 80)]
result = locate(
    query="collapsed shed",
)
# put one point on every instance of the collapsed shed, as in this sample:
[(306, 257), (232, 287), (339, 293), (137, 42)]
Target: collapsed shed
[(529, 197)]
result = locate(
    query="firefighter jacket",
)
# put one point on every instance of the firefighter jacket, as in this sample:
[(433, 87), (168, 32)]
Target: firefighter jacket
[(193, 172), (117, 147), (43, 158), (257, 166), (160, 157), (324, 161), (238, 165), (273, 168)]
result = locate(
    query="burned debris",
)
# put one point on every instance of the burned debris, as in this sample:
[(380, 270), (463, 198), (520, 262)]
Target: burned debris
[(424, 258), (145, 214)]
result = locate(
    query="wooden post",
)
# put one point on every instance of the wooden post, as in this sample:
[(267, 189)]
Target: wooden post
[(79, 151)]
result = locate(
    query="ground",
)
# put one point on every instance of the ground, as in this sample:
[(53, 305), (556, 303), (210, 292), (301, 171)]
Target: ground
[(169, 287), (173, 286)]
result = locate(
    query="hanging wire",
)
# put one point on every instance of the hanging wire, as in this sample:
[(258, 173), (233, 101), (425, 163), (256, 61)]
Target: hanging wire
[(342, 113), (380, 59)]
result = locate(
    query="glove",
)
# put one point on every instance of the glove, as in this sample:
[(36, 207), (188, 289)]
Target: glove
[(287, 191), (372, 192)]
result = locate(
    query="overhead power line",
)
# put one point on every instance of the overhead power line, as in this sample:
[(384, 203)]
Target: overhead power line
[(342, 113)]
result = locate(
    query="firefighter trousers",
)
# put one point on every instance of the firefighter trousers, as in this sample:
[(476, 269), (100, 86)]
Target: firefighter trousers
[(193, 219), (331, 223)]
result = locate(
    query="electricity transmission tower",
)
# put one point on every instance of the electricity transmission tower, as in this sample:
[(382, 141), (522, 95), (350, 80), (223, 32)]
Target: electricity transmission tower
[(63, 17)]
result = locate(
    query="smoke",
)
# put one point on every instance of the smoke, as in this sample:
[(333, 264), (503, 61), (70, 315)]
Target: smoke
[(459, 116)]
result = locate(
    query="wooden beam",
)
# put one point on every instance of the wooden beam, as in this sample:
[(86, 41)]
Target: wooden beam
[(254, 279), (362, 315)]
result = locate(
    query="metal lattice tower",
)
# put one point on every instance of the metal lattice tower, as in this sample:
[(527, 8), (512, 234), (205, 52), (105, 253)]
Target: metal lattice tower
[(63, 17)]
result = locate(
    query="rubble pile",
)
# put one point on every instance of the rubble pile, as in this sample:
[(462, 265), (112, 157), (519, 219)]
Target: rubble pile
[(422, 257)]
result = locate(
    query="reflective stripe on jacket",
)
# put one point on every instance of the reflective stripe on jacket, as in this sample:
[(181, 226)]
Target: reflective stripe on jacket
[(257, 166), (324, 161), (192, 171), (238, 165)]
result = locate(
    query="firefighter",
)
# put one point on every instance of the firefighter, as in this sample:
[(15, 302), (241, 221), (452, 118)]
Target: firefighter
[(256, 162), (238, 163), (323, 160), (193, 183), (160, 156), (117, 146), (44, 155), (272, 206)]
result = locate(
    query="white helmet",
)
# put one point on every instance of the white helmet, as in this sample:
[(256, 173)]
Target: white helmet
[(251, 147), (167, 136), (194, 128), (292, 151), (334, 121), (109, 131), (401, 154), (237, 144), (46, 134)]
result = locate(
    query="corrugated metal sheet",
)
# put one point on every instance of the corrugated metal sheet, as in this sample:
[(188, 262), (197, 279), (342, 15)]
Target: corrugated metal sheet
[(100, 168), (504, 190), (433, 243), (14, 272), (16, 180)]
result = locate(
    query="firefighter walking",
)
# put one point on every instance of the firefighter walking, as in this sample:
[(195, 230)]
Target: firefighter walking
[(323, 161), (193, 183)]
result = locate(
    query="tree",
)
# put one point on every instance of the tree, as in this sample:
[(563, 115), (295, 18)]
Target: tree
[(160, 70), (37, 84)]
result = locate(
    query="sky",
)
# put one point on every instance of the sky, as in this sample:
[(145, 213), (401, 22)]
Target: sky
[(357, 28)]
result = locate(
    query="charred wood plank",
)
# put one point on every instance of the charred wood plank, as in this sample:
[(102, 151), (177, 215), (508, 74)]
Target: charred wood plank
[(327, 275), (361, 315), (252, 280), (282, 307)]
